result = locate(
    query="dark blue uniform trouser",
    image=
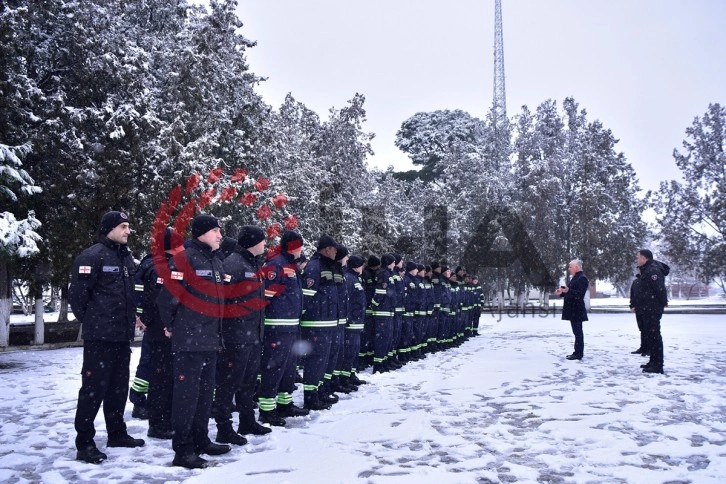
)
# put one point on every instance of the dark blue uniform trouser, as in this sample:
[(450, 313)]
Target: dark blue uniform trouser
[(194, 373), (237, 368), (579, 338), (316, 362), (161, 384), (278, 363), (335, 359), (383, 338), (104, 379), (144, 370), (352, 348)]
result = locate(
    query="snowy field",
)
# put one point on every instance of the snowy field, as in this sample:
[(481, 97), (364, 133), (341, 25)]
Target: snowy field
[(504, 407)]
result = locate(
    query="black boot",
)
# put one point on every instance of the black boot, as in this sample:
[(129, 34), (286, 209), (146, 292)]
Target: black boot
[(312, 402), (653, 369), (190, 461), (356, 381), (292, 410), (338, 386), (637, 352), (227, 435), (271, 417), (91, 454), (159, 433), (122, 439), (252, 428)]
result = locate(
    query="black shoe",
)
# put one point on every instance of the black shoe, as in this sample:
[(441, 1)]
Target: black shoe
[(190, 461), (317, 405), (646, 365), (653, 369), (291, 410), (157, 433), (141, 413), (330, 398), (214, 449), (574, 357), (252, 427), (91, 455), (227, 435), (124, 440), (379, 368), (637, 352), (271, 417), (357, 381)]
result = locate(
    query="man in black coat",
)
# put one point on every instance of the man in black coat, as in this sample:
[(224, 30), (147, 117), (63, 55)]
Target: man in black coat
[(101, 295), (573, 306), (242, 329), (161, 381), (191, 307), (650, 299)]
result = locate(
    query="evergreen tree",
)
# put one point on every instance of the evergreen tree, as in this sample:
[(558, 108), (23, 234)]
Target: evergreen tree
[(692, 215)]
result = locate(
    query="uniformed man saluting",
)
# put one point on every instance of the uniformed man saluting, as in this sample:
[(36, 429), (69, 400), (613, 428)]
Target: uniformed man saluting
[(102, 299)]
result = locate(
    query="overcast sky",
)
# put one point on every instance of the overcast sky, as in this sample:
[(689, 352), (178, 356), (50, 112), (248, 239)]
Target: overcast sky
[(644, 68)]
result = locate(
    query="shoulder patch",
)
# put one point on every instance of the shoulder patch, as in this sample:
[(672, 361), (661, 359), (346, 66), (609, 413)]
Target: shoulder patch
[(311, 282)]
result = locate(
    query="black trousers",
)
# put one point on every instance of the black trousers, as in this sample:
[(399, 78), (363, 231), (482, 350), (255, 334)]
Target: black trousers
[(237, 368), (104, 380), (161, 385), (191, 406), (335, 358), (579, 338), (651, 323)]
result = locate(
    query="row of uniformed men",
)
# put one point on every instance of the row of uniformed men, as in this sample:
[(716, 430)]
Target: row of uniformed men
[(267, 317)]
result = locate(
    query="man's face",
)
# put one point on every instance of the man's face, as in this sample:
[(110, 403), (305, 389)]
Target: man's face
[(212, 238), (329, 252), (120, 233), (573, 268), (257, 249), (641, 259)]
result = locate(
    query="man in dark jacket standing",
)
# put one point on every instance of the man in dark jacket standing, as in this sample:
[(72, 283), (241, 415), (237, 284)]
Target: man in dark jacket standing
[(650, 300), (573, 307), (161, 381), (239, 361), (191, 307), (102, 299), (283, 292)]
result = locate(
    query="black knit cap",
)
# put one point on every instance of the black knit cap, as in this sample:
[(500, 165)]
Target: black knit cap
[(420, 267), (326, 241), (435, 265), (290, 240), (341, 252), (203, 223), (111, 220), (387, 260), (172, 239), (355, 261), (374, 262), (250, 235), (398, 258), (411, 265)]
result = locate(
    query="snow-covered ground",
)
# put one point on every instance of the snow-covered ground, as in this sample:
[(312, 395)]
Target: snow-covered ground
[(504, 407)]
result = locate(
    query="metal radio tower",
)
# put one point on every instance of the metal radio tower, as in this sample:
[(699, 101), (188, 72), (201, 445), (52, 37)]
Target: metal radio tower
[(499, 106)]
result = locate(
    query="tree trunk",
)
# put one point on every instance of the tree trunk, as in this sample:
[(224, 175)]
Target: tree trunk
[(63, 310), (6, 304), (39, 321)]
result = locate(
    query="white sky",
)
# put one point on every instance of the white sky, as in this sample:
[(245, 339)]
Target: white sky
[(645, 68), (503, 407)]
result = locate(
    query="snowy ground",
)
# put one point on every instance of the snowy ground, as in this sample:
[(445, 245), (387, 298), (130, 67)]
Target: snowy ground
[(503, 407)]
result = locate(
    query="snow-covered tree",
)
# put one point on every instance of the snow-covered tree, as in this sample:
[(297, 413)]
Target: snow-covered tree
[(692, 215)]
